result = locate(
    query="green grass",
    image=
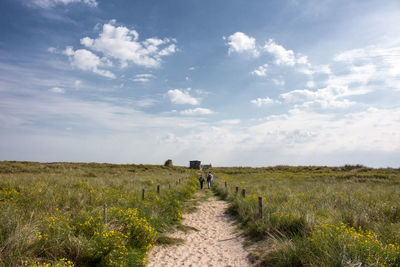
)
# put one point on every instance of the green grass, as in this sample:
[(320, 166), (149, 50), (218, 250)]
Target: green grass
[(318, 216), (53, 214)]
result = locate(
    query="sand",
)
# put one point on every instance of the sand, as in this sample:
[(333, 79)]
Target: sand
[(217, 242)]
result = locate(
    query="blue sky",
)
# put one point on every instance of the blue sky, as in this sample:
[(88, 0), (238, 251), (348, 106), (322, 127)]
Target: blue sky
[(250, 83)]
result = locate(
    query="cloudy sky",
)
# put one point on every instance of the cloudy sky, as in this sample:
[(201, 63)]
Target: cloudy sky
[(228, 82)]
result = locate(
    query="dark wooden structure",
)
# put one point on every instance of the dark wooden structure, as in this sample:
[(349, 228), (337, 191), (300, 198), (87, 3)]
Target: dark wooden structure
[(195, 164)]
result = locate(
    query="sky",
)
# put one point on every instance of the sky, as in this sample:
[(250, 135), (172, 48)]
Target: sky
[(227, 82)]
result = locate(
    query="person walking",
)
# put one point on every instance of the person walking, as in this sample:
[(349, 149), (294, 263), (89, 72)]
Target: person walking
[(201, 180), (210, 177)]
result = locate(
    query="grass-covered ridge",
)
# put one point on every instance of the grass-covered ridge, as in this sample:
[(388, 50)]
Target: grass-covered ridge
[(52, 214), (318, 216)]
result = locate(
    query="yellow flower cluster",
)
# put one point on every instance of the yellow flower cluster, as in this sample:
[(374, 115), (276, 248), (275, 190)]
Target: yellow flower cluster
[(64, 263), (41, 236), (9, 194), (358, 244), (113, 245), (59, 222), (88, 222), (60, 263), (138, 229), (36, 264)]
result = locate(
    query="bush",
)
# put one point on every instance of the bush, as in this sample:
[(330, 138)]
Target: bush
[(168, 163)]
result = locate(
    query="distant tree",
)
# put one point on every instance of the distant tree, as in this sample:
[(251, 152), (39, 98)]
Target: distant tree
[(168, 163)]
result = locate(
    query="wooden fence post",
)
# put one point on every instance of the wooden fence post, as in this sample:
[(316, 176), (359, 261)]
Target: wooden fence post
[(225, 185), (158, 189), (237, 189), (105, 212), (260, 207), (143, 194), (243, 192)]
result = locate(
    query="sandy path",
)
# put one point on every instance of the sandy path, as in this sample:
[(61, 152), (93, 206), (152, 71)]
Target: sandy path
[(215, 244)]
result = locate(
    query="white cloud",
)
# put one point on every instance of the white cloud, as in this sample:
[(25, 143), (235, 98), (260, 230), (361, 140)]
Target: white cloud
[(197, 111), (371, 129), (53, 3), (288, 57), (143, 78), (121, 43), (310, 84), (52, 50), (351, 55), (356, 75), (230, 122), (354, 81), (146, 102), (78, 84), (262, 101), (328, 104), (86, 41), (144, 75), (331, 97), (180, 97), (260, 71), (278, 82), (168, 50), (57, 90), (302, 59), (381, 62), (282, 56), (85, 60), (240, 42), (310, 70), (296, 96)]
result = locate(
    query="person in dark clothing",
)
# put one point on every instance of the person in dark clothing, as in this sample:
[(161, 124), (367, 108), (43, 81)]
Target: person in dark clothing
[(201, 180)]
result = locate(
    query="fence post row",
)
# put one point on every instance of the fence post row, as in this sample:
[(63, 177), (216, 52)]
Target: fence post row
[(260, 201)]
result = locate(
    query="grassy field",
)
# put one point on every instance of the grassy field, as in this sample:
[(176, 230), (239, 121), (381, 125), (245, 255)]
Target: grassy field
[(317, 216), (54, 214)]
